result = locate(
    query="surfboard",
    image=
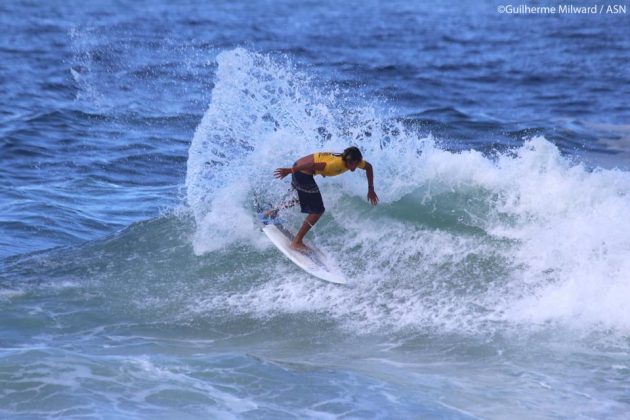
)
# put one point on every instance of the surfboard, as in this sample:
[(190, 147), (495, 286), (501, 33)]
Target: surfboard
[(314, 262)]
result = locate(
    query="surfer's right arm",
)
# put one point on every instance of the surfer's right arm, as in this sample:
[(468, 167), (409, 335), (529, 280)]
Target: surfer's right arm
[(305, 164)]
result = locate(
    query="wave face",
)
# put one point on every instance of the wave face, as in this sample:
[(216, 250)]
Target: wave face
[(460, 240)]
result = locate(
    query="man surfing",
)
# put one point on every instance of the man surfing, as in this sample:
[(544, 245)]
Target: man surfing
[(302, 180)]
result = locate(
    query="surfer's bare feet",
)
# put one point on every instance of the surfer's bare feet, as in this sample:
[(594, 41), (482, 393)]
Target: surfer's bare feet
[(299, 246), (271, 213)]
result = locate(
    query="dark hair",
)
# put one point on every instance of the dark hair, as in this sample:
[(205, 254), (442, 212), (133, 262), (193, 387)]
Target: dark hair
[(352, 154)]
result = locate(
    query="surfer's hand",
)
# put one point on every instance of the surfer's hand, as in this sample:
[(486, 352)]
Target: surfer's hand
[(372, 197), (281, 172)]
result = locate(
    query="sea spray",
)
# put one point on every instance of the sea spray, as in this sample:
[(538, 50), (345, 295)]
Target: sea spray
[(459, 240)]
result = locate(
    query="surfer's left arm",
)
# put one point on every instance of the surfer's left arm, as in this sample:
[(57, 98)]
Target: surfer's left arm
[(371, 196)]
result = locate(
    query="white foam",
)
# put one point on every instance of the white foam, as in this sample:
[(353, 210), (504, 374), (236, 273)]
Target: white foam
[(549, 239)]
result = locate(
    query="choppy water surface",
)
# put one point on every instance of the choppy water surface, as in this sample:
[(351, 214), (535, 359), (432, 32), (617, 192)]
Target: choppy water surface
[(490, 282)]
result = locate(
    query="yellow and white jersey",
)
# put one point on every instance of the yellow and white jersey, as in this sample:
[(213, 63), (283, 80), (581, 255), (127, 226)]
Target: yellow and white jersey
[(334, 164)]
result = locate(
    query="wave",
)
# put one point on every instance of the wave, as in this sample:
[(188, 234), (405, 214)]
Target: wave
[(461, 242), (529, 236)]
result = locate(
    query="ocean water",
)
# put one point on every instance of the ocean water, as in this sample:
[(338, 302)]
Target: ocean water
[(492, 280)]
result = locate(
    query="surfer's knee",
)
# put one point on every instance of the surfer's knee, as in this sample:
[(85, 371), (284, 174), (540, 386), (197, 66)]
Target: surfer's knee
[(312, 218)]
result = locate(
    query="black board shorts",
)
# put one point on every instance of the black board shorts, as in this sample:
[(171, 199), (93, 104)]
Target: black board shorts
[(308, 192)]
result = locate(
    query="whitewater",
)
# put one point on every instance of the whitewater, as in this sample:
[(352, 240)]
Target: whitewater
[(525, 236)]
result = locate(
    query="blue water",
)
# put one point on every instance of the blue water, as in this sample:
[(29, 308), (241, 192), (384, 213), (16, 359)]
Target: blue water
[(492, 280)]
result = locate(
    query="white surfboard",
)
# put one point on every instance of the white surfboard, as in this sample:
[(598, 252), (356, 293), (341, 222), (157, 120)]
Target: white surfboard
[(313, 262)]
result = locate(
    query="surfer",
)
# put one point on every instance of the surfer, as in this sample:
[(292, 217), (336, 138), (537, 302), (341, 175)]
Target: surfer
[(310, 198)]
